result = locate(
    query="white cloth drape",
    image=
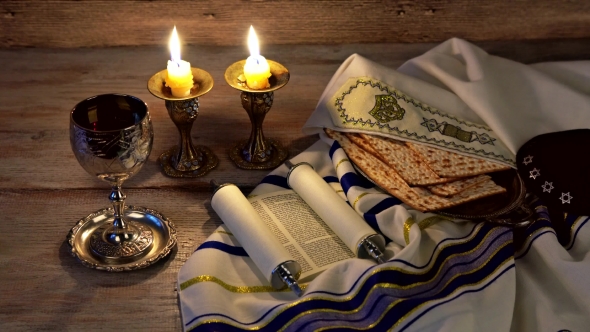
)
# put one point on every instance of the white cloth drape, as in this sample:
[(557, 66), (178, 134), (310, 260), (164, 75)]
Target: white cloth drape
[(441, 274)]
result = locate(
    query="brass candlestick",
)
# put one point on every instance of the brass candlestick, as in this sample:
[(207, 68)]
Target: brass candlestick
[(257, 152), (184, 160)]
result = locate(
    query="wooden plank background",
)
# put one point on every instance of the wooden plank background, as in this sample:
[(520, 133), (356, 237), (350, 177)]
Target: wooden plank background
[(44, 191), (40, 87), (98, 23)]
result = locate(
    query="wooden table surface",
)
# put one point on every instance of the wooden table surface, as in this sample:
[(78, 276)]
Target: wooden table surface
[(44, 192)]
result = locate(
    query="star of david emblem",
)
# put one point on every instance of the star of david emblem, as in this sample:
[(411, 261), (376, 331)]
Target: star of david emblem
[(484, 138), (528, 160), (534, 173), (547, 187), (565, 198), (432, 124)]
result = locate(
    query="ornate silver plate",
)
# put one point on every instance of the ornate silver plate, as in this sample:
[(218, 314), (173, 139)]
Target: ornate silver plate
[(162, 239)]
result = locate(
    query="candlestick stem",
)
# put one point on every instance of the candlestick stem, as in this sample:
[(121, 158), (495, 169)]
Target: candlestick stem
[(184, 113), (257, 105), (186, 160)]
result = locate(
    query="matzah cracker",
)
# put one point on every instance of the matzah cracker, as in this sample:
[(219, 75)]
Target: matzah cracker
[(418, 198), (383, 175), (358, 140), (450, 164), (434, 202), (457, 186), (404, 160)]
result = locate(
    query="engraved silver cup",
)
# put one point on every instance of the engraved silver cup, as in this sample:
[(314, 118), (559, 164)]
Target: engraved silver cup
[(111, 136)]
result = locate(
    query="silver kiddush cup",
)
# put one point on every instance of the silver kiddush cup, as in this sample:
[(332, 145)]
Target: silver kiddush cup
[(111, 136)]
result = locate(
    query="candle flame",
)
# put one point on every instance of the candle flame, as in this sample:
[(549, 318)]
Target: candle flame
[(174, 46), (253, 42)]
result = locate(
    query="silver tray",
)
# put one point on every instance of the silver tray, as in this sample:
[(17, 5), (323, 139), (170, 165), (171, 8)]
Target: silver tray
[(164, 239)]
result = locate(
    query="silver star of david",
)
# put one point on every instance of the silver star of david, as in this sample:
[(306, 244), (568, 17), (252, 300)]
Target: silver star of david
[(547, 187), (534, 173), (565, 198), (528, 160)]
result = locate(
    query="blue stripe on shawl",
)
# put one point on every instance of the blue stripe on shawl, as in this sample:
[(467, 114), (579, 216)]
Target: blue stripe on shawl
[(451, 250), (486, 227), (476, 277), (331, 179), (458, 295), (335, 146), (281, 181), (371, 215), (380, 296), (531, 243), (380, 299), (236, 251), (277, 180), (576, 233), (543, 221), (350, 179)]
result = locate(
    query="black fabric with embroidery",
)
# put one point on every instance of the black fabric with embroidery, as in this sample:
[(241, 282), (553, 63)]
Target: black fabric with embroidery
[(556, 168)]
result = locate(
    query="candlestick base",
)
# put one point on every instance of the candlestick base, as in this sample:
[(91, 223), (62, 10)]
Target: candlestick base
[(272, 157), (184, 160), (257, 152), (205, 161)]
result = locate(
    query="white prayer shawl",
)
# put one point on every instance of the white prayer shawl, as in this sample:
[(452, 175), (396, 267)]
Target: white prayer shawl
[(441, 274)]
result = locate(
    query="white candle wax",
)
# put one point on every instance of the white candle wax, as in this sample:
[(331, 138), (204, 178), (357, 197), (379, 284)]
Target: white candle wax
[(180, 77), (256, 69)]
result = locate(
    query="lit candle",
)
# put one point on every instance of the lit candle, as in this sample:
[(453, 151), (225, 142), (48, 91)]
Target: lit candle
[(256, 70), (180, 77)]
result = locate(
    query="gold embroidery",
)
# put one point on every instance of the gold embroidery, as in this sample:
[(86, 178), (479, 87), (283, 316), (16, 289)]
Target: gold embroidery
[(348, 298), (224, 232), (231, 288), (358, 198), (450, 130), (386, 109), (340, 162), (350, 121), (404, 317), (425, 223), (576, 222), (384, 285), (407, 225)]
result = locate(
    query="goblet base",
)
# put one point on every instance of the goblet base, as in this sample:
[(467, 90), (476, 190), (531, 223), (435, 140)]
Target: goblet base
[(198, 167), (155, 240), (141, 239), (277, 157)]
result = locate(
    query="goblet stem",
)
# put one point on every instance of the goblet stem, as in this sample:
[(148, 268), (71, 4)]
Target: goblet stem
[(120, 232), (118, 199)]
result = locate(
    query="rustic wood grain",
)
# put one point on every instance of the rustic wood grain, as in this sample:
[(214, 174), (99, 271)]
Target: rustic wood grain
[(39, 88), (43, 190), (92, 23), (44, 288)]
